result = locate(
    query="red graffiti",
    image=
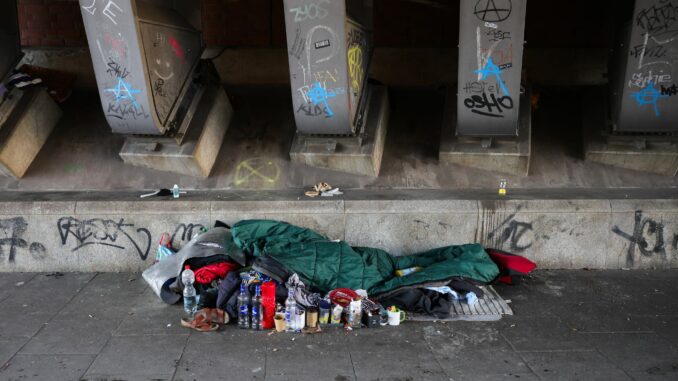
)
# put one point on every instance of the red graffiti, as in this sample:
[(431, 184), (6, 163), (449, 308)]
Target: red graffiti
[(178, 50), (118, 45)]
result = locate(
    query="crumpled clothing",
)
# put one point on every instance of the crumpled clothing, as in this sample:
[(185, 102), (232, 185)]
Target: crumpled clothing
[(303, 297), (206, 274), (470, 297)]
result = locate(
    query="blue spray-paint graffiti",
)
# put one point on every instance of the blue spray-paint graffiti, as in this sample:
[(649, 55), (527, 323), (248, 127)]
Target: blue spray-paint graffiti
[(492, 69), (124, 91), (649, 96), (319, 96)]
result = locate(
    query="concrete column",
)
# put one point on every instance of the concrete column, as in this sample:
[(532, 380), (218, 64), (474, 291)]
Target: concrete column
[(644, 87), (490, 63), (487, 119), (151, 81), (329, 45), (143, 56), (642, 97)]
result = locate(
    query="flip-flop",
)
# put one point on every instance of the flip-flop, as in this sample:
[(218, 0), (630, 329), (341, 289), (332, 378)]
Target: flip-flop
[(215, 315), (201, 323)]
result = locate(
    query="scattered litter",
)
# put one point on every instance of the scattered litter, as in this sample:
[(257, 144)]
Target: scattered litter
[(236, 292), (332, 193), (324, 190), (159, 193), (90, 316), (257, 370), (275, 349), (19, 284), (55, 274)]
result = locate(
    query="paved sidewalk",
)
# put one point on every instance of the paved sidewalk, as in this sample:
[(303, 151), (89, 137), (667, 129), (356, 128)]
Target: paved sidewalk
[(587, 325)]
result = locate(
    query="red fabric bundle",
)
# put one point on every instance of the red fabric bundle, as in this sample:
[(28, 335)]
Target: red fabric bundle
[(206, 274), (510, 265)]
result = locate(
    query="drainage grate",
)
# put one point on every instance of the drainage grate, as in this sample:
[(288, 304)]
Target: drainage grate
[(490, 308)]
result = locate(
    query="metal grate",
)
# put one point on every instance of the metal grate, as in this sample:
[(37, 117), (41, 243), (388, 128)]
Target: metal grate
[(490, 308)]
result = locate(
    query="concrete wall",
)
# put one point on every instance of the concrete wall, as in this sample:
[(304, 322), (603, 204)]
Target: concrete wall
[(123, 235)]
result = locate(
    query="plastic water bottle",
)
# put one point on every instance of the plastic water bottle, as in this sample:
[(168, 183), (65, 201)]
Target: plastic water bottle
[(244, 307), (290, 312), (256, 310), (190, 298), (176, 191)]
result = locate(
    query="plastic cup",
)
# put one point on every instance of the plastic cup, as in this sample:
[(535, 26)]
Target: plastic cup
[(324, 316)]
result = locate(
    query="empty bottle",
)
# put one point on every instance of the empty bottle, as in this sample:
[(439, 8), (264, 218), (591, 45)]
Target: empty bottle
[(290, 312), (176, 192), (257, 315), (190, 299), (244, 307)]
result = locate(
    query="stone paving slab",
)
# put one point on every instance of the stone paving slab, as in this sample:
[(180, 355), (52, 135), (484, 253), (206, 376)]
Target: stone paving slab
[(559, 332)]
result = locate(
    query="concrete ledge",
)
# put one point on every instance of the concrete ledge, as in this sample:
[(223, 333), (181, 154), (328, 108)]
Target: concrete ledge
[(99, 234)]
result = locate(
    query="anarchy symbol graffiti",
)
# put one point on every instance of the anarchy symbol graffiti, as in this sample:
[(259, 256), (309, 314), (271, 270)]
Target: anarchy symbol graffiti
[(493, 10), (257, 172)]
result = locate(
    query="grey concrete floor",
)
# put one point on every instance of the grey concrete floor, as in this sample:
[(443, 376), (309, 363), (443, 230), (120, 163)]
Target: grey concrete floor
[(82, 153), (568, 325)]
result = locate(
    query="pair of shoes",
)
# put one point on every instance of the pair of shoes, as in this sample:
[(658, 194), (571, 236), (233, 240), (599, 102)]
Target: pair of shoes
[(202, 322)]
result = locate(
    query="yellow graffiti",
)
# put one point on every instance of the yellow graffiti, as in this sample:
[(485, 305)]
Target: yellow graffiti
[(325, 76), (355, 67), (256, 171)]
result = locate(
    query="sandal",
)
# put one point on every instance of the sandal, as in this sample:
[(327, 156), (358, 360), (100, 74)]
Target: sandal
[(201, 323), (216, 315)]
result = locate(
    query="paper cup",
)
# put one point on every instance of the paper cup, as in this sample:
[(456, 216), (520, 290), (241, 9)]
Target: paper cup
[(312, 318), (280, 322)]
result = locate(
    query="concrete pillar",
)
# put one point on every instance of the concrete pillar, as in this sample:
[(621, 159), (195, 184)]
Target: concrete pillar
[(330, 46), (151, 81), (28, 115), (487, 123), (644, 90), (635, 130), (490, 64)]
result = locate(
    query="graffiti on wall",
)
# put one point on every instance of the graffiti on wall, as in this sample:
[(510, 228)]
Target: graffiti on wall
[(12, 241), (652, 61), (487, 93), (117, 234), (329, 56), (647, 238)]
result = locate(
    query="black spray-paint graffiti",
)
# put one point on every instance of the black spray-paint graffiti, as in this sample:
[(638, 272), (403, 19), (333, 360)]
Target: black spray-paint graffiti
[(423, 230), (116, 234), (670, 91), (644, 229), (115, 70), (512, 232), (493, 10), (11, 239), (185, 232), (660, 18), (491, 106)]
